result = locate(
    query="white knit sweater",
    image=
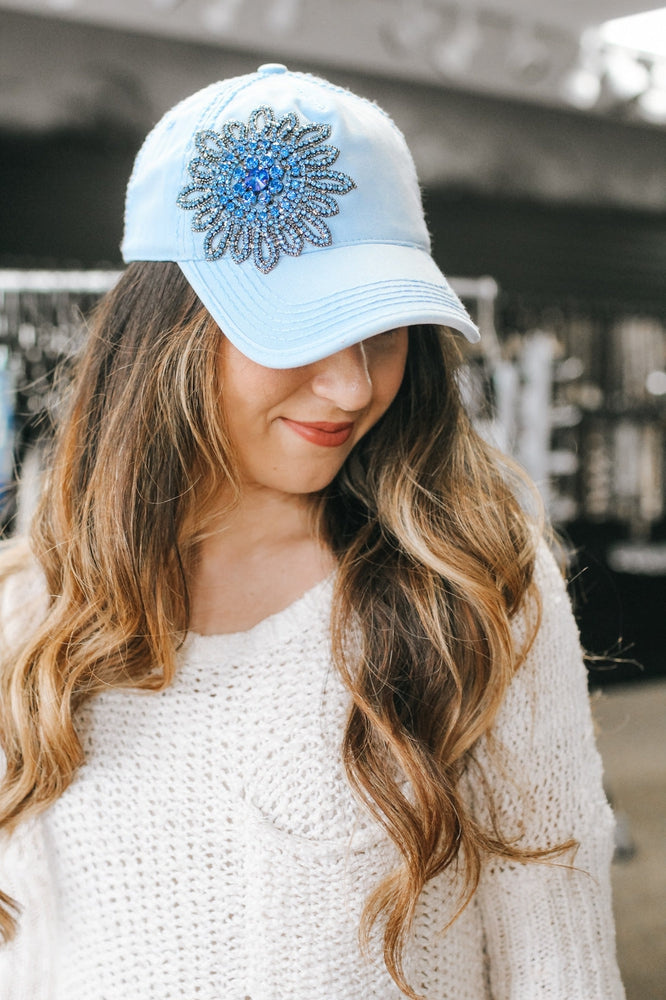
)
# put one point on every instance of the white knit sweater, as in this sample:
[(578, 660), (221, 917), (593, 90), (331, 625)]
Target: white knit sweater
[(210, 847)]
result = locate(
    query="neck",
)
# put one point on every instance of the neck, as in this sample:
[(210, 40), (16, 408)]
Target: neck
[(260, 556), (262, 519)]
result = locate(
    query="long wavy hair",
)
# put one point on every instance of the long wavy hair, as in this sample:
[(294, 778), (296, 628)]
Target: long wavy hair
[(435, 558)]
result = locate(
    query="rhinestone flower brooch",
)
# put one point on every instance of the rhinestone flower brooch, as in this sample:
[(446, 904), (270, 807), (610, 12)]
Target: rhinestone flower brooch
[(263, 189)]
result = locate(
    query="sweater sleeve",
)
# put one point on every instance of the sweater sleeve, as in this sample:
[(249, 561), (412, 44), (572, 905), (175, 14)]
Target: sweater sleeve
[(548, 927), (26, 962)]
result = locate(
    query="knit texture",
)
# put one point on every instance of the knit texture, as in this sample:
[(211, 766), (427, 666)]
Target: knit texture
[(211, 849)]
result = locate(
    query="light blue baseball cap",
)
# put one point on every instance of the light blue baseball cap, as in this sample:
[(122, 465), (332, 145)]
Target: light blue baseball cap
[(293, 208)]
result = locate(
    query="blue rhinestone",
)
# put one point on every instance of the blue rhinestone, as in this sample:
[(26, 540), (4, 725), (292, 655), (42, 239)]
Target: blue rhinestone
[(295, 185), (274, 210), (239, 188), (275, 187), (262, 213), (296, 170), (267, 161), (239, 212), (241, 149), (249, 198), (264, 197), (284, 152), (276, 173), (252, 163), (256, 180)]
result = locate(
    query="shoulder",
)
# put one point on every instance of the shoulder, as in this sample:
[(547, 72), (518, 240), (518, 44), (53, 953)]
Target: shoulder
[(557, 637), (546, 709), (549, 687), (548, 574), (23, 594), (548, 609)]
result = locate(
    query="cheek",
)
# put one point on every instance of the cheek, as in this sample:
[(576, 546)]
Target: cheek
[(251, 394), (389, 378)]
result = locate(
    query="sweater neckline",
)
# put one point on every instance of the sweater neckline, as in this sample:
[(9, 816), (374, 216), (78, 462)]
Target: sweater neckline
[(296, 616)]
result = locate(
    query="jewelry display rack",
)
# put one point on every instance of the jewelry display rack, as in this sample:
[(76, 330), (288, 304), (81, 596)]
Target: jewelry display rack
[(41, 330)]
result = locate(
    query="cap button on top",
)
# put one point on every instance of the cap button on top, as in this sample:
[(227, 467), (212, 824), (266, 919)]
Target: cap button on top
[(272, 68)]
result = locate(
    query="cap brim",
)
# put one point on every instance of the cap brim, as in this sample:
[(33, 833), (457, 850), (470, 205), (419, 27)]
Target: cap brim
[(309, 307)]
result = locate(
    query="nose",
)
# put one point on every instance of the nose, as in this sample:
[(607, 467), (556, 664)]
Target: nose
[(344, 379)]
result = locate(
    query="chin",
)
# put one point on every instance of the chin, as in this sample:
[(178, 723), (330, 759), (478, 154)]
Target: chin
[(312, 487), (311, 484), (296, 478)]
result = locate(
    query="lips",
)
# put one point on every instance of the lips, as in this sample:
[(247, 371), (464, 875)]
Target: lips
[(321, 432)]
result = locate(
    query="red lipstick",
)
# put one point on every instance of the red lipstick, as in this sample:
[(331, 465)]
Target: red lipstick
[(322, 432)]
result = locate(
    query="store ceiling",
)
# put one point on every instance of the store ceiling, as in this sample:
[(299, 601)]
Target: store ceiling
[(512, 48), (190, 17), (57, 69)]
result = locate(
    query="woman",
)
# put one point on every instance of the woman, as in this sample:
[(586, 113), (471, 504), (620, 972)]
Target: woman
[(293, 703)]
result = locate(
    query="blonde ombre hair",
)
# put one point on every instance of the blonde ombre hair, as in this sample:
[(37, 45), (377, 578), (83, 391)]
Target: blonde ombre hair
[(435, 558)]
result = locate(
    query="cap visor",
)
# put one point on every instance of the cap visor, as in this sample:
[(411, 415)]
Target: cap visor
[(277, 320)]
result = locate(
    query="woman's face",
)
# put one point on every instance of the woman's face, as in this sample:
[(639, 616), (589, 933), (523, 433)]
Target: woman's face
[(293, 428)]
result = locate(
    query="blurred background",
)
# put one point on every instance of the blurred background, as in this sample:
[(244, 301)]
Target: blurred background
[(539, 133)]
